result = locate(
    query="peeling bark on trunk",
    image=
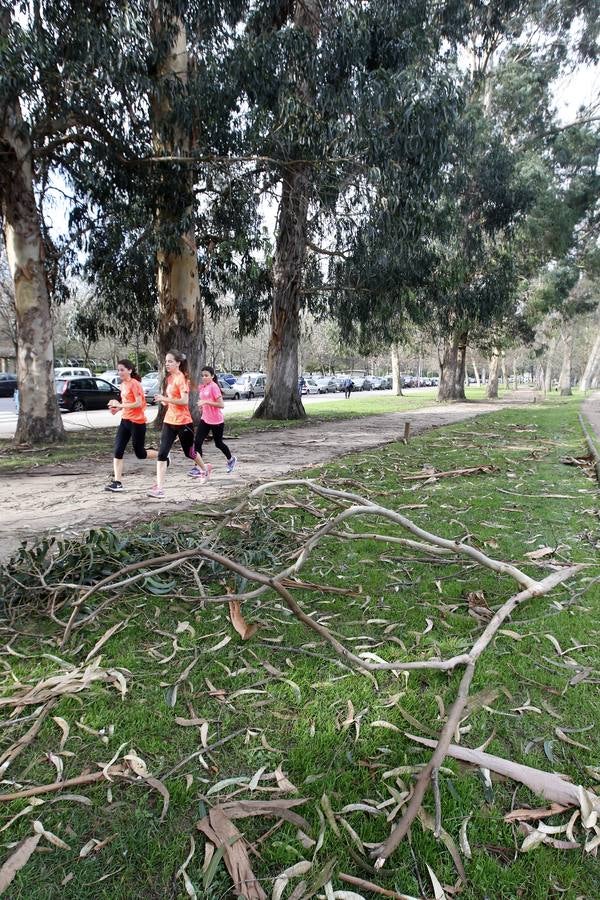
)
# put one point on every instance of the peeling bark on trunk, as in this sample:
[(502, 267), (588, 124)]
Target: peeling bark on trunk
[(564, 381), (396, 375), (39, 417), (282, 399), (181, 316), (592, 366), (492, 388), (452, 368), (548, 366)]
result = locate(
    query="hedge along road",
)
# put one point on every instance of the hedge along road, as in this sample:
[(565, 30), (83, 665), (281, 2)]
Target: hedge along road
[(68, 498)]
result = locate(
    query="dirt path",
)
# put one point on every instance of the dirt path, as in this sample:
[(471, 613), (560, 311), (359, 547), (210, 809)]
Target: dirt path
[(68, 498)]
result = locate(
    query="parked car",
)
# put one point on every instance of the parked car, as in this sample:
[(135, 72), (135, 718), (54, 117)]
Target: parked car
[(250, 384), (326, 385), (71, 372), (310, 386), (111, 375), (226, 376), (359, 383), (77, 394), (229, 391), (387, 383), (151, 386), (8, 384)]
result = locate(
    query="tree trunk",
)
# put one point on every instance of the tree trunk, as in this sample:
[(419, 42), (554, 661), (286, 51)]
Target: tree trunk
[(492, 387), (282, 398), (504, 375), (181, 316), (452, 368), (548, 367), (396, 375), (592, 365), (564, 381), (475, 372), (515, 382), (39, 417)]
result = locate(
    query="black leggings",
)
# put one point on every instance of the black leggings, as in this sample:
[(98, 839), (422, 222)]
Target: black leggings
[(202, 432), (130, 430), (168, 436)]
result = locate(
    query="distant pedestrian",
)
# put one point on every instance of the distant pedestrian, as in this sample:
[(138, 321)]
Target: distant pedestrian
[(16, 400), (348, 387), (210, 402)]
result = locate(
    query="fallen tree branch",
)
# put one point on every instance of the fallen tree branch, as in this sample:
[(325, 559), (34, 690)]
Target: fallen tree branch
[(546, 784), (454, 715)]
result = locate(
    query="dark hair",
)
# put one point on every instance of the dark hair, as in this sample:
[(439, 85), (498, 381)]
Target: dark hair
[(211, 370), (130, 366), (184, 367)]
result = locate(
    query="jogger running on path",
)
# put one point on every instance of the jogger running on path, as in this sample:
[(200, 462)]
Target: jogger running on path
[(177, 422), (210, 401), (133, 424)]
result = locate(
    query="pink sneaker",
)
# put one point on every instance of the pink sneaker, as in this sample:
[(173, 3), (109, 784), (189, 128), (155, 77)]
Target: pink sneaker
[(155, 491), (205, 475)]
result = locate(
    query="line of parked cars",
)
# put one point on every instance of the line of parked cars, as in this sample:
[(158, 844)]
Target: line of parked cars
[(330, 384), (78, 389)]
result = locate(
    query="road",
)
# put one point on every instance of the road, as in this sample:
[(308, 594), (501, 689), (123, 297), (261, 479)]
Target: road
[(103, 419)]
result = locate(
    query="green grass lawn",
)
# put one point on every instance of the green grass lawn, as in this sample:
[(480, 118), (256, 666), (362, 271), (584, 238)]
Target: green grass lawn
[(97, 443), (305, 711)]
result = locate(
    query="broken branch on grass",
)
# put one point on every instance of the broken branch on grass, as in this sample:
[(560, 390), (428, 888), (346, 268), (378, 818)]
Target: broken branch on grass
[(546, 784), (455, 713), (282, 583)]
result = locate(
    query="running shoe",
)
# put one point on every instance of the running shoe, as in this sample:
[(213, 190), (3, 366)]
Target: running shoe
[(155, 491), (114, 486), (195, 472), (231, 463)]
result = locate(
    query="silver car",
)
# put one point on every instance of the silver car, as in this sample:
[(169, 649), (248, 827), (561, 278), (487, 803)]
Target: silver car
[(250, 385), (229, 391)]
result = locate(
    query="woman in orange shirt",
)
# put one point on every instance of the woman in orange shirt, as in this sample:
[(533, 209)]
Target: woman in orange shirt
[(133, 423), (177, 422)]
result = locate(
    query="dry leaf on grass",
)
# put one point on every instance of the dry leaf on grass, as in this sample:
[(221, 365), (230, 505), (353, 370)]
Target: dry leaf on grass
[(438, 890), (243, 628), (540, 553), (281, 882), (17, 860), (531, 815), (105, 637), (221, 832), (71, 682), (241, 809)]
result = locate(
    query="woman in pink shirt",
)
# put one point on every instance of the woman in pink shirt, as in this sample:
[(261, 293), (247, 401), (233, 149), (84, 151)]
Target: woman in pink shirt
[(210, 402)]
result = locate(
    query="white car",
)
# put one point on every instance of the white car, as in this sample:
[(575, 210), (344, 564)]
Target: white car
[(112, 376), (310, 386), (70, 372), (229, 391), (250, 384)]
